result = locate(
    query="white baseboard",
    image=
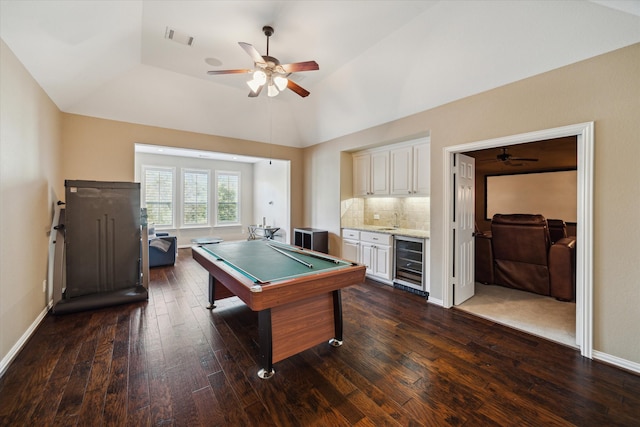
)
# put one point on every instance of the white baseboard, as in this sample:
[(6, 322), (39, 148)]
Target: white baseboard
[(616, 361), (6, 361), (434, 301)]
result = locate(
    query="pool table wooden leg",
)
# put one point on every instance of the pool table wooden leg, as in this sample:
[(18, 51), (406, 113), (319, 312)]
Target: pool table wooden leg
[(337, 319), (212, 293), (266, 344)]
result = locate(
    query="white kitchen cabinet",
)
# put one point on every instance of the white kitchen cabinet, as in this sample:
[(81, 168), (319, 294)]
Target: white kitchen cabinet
[(375, 254), (421, 169), (351, 245), (409, 170), (361, 175), (371, 174), (401, 171)]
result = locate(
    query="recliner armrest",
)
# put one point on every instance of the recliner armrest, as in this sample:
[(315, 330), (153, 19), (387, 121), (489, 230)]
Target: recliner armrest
[(562, 269)]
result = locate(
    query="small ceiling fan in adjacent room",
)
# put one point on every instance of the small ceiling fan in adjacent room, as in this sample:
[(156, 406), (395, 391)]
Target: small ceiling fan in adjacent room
[(269, 72), (510, 160)]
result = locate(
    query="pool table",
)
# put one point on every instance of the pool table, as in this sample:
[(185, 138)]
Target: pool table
[(295, 291)]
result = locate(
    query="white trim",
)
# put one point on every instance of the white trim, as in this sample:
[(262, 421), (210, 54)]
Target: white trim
[(617, 361), (17, 347), (435, 301), (584, 251)]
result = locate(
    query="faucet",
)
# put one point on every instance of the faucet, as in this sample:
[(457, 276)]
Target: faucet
[(395, 224)]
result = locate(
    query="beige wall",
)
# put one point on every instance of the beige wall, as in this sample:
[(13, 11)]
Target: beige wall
[(98, 149), (606, 90), (30, 184)]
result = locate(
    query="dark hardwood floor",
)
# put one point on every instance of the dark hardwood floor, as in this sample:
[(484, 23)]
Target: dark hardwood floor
[(169, 361)]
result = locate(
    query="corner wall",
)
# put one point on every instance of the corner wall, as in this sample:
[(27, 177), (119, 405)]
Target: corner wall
[(30, 184), (604, 89)]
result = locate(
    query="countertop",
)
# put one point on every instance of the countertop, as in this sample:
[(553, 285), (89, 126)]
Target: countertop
[(407, 232)]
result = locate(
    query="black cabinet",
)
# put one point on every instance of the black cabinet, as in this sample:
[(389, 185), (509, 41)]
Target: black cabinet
[(311, 238)]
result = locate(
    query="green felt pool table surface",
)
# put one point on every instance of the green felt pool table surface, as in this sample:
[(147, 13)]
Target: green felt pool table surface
[(263, 260)]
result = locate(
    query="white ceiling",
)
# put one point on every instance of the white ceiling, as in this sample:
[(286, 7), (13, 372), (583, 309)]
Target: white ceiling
[(379, 60)]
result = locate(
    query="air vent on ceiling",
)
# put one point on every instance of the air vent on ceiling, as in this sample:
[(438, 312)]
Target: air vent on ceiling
[(178, 37)]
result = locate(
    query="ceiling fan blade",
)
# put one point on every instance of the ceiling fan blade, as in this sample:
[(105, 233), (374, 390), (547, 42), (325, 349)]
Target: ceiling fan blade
[(509, 163), (524, 159), (216, 72), (298, 89), (253, 94), (253, 53), (300, 66)]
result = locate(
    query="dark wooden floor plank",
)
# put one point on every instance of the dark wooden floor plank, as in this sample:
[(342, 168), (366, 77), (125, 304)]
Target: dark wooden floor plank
[(404, 362)]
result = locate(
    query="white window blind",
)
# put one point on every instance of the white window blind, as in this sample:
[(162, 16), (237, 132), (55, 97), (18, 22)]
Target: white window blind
[(158, 195), (195, 197), (227, 197)]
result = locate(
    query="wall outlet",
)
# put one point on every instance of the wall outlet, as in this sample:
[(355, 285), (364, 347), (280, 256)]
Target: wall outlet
[(376, 216), (44, 285)]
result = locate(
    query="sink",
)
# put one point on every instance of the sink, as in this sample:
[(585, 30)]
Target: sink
[(387, 229)]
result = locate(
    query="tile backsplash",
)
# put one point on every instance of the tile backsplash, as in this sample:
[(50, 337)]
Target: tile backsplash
[(412, 212)]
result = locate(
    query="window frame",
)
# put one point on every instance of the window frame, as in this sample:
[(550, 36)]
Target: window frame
[(143, 180), (238, 220), (183, 172)]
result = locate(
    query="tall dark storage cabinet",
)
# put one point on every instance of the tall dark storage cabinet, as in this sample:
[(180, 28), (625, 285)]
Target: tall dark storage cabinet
[(102, 242), (102, 236)]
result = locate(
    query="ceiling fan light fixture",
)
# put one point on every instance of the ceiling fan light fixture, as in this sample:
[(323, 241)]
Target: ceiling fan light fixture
[(260, 77), (272, 90), (280, 82), (254, 85)]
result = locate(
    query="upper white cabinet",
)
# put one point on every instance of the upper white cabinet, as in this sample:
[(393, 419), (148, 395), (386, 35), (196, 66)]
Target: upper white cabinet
[(371, 174), (421, 169), (410, 170), (399, 170)]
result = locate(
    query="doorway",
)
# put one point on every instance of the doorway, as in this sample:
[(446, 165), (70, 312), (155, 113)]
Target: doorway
[(584, 229)]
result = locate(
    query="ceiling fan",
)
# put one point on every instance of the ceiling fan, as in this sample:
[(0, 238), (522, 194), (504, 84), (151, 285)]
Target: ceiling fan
[(508, 159), (268, 71)]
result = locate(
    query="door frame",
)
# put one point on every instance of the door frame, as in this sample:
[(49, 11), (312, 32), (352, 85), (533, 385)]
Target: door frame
[(584, 230)]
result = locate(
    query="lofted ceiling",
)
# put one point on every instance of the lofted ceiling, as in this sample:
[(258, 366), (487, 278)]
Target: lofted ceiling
[(379, 60)]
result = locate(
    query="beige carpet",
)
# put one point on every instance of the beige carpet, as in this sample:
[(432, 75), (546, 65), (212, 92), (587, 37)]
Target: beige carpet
[(536, 314)]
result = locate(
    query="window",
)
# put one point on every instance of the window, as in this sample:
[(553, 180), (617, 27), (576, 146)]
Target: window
[(158, 195), (227, 198), (195, 197)]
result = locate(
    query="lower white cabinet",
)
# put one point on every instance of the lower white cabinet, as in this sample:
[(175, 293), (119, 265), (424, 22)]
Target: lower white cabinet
[(351, 250), (377, 259), (376, 254)]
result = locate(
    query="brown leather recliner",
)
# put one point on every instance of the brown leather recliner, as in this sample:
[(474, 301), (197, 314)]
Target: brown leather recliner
[(557, 229), (483, 257), (524, 258)]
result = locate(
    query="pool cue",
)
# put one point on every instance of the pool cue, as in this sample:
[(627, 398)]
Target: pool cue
[(311, 254), (291, 256)]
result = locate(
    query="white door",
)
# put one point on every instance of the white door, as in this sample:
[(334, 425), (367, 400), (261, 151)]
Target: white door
[(401, 170), (351, 250), (367, 256), (361, 175), (382, 267), (380, 173), (464, 285), (421, 165)]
